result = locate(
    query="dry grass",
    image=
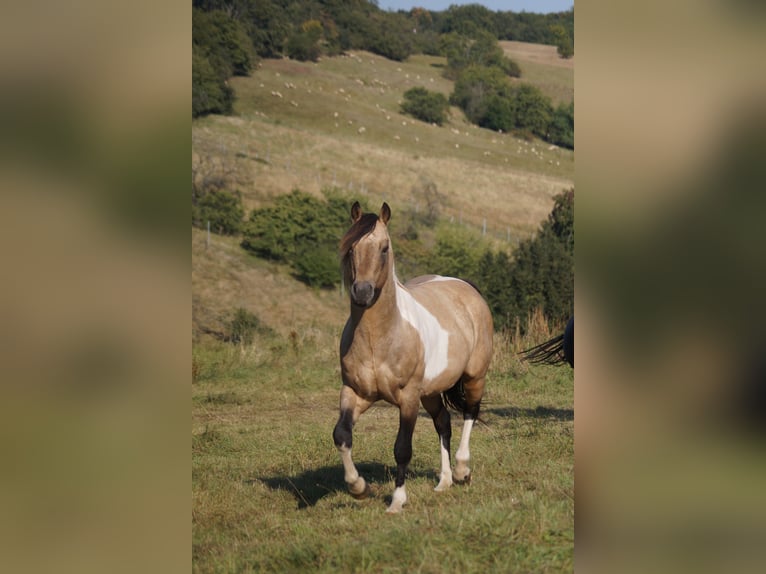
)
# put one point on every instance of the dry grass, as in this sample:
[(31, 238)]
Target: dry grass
[(278, 143), (542, 66), (225, 277)]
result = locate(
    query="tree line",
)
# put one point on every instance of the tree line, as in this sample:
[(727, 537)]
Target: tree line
[(301, 231)]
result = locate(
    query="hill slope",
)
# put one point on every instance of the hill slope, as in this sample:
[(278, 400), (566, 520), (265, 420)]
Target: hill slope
[(336, 122)]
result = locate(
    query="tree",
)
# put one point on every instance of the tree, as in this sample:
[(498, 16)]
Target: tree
[(457, 252), (562, 41), (475, 88), (480, 50), (561, 128), (542, 272), (224, 42), (532, 110), (210, 93), (304, 42)]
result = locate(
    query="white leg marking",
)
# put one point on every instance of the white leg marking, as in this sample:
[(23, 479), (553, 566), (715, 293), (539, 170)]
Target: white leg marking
[(445, 478), (463, 454), (356, 484), (398, 500)]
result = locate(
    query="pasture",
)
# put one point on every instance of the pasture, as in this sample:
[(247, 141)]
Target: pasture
[(268, 493), (267, 484)]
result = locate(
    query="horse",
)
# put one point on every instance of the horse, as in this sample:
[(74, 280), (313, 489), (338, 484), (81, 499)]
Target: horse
[(554, 351), (427, 342)]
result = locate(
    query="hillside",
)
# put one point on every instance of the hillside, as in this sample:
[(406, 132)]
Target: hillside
[(336, 122)]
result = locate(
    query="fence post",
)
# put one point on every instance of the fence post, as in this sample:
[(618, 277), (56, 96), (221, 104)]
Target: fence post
[(207, 241), (484, 227)]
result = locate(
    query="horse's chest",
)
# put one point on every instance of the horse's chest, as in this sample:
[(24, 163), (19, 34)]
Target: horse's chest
[(374, 373)]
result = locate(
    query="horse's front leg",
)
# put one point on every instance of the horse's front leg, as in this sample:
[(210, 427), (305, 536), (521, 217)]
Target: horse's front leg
[(351, 406), (408, 415)]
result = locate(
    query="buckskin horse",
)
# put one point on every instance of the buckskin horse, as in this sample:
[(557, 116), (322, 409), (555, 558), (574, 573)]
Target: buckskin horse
[(427, 342)]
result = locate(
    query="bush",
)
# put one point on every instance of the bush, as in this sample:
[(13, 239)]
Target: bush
[(243, 327), (489, 100), (426, 106), (475, 88), (457, 252), (222, 209), (561, 128), (302, 231)]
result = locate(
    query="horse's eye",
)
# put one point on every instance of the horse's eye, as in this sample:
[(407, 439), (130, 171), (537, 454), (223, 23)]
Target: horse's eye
[(385, 248)]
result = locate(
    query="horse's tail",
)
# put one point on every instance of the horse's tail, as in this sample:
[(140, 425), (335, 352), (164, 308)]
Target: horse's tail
[(549, 353), (555, 351), (454, 397)]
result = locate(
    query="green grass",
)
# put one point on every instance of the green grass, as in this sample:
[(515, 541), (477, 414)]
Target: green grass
[(267, 485)]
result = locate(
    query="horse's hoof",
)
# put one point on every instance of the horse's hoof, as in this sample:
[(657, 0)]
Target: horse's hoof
[(361, 495), (466, 480)]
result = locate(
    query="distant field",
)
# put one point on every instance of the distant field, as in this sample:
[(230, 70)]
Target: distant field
[(337, 122), (542, 66)]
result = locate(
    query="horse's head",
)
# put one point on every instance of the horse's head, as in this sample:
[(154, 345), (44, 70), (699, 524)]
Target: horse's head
[(365, 253)]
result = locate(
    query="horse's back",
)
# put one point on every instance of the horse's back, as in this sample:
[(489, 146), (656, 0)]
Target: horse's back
[(451, 299), (430, 289)]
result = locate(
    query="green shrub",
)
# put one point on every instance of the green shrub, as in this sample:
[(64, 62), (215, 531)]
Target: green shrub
[(476, 87), (222, 209), (425, 105), (561, 128), (457, 252), (302, 231)]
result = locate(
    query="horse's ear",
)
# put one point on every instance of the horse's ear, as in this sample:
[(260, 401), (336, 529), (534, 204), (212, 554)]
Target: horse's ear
[(385, 213), (356, 212)]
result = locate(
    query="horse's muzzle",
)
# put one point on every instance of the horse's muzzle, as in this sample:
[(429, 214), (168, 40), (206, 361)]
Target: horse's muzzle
[(362, 293)]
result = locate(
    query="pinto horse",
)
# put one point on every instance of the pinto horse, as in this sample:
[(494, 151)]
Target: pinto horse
[(426, 342)]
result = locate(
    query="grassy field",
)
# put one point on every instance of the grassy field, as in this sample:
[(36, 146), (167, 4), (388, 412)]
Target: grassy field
[(267, 485)]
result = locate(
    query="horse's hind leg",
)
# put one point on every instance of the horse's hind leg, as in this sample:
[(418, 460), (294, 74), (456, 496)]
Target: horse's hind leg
[(440, 415), (474, 390), (351, 406)]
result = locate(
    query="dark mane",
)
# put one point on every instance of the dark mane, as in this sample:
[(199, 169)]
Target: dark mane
[(362, 227)]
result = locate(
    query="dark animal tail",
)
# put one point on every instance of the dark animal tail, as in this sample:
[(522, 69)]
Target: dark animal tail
[(555, 351), (454, 398)]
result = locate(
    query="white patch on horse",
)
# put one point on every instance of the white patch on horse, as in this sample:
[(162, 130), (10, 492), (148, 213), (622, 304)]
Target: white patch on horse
[(435, 339)]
